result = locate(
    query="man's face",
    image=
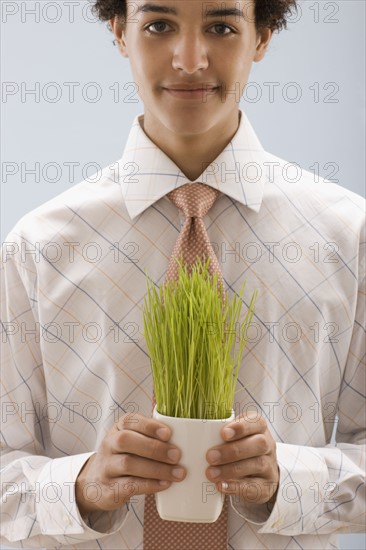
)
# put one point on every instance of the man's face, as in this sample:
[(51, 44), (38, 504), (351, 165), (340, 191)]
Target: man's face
[(190, 47)]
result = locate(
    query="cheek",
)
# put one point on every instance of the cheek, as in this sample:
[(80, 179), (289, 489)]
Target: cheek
[(145, 71), (234, 63)]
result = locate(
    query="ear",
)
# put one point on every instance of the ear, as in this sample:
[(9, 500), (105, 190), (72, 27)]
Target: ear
[(119, 31), (263, 39)]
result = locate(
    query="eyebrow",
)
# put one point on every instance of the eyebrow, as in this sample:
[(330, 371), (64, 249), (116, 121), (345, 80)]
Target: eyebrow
[(209, 13)]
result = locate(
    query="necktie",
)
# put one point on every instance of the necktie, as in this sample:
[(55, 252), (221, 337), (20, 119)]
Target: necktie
[(195, 199)]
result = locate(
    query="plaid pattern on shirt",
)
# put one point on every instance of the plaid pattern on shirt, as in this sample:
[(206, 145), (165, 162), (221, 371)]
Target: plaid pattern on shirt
[(74, 358)]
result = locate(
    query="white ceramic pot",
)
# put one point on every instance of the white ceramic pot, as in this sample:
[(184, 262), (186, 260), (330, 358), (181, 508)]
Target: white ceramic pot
[(195, 499)]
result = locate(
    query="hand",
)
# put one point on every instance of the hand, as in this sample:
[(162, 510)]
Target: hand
[(245, 465), (134, 458)]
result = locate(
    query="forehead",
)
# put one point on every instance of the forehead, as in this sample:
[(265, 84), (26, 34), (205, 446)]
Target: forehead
[(229, 8)]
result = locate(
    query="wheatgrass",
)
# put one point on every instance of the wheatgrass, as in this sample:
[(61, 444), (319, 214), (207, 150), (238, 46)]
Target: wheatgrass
[(195, 351)]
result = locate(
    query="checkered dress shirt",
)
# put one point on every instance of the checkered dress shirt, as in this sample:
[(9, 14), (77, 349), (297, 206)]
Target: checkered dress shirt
[(74, 358)]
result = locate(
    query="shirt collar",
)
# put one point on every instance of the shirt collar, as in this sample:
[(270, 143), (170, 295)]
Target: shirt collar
[(146, 173)]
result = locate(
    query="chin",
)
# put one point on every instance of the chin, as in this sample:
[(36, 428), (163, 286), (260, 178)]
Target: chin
[(192, 120), (188, 127)]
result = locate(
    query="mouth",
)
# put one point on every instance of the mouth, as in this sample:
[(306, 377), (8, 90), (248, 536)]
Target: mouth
[(199, 93)]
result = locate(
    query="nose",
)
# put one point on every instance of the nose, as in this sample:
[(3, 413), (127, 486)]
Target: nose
[(190, 53)]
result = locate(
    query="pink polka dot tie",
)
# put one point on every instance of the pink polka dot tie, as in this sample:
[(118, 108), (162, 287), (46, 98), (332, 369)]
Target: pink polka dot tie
[(195, 199)]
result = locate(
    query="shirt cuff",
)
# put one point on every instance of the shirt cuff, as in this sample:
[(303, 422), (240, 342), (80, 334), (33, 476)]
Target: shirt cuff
[(57, 510), (303, 472)]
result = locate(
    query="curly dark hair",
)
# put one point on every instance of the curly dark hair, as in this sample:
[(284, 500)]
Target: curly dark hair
[(268, 13)]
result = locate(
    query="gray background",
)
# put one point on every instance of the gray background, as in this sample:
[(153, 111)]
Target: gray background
[(319, 60)]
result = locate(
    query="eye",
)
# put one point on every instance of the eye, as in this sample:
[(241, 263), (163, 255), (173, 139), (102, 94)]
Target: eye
[(158, 23), (222, 25), (161, 25)]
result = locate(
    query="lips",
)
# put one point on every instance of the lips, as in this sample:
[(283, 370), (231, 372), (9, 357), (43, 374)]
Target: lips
[(204, 86), (192, 89), (192, 93)]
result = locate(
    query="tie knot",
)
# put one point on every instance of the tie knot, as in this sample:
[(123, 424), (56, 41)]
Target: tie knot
[(195, 199)]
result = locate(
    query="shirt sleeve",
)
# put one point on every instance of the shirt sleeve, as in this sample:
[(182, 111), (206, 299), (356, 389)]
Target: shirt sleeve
[(39, 508), (322, 490)]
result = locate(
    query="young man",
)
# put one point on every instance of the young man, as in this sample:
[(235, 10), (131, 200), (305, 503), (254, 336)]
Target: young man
[(76, 375)]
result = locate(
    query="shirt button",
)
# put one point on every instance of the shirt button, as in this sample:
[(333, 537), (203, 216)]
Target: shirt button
[(277, 524), (66, 520)]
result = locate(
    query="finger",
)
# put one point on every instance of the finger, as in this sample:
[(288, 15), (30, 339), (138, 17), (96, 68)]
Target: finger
[(243, 426), (127, 487), (123, 489), (245, 448), (254, 490), (130, 465), (128, 441), (144, 425), (259, 466)]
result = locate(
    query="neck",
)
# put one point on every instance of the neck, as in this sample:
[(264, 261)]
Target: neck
[(192, 153)]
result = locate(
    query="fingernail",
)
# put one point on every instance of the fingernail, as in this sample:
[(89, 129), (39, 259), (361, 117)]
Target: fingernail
[(214, 472), (178, 473), (213, 456), (164, 483), (229, 433), (162, 433), (224, 486), (173, 454)]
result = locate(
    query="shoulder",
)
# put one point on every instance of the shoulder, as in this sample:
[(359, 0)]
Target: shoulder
[(70, 212), (310, 196)]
